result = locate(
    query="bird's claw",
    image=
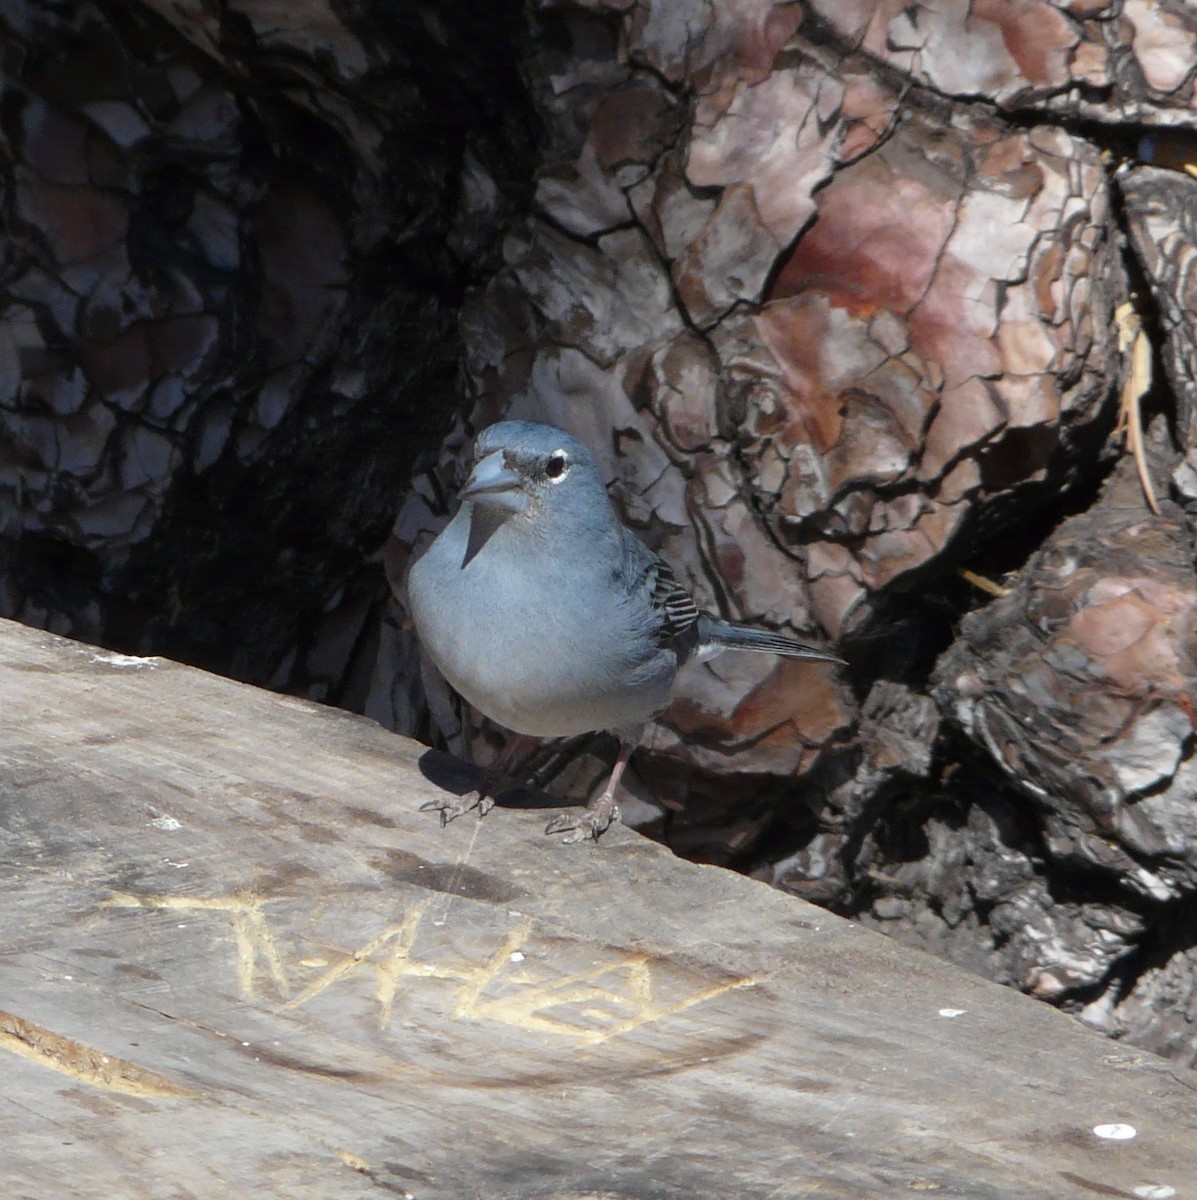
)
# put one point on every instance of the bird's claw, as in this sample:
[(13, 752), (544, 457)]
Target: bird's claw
[(452, 807), (579, 826)]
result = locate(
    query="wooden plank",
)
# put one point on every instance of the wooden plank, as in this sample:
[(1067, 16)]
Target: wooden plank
[(237, 961)]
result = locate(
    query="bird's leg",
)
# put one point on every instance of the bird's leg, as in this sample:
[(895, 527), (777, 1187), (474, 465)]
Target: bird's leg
[(493, 777), (601, 811)]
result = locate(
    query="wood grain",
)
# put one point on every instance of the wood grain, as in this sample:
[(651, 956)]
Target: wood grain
[(237, 961)]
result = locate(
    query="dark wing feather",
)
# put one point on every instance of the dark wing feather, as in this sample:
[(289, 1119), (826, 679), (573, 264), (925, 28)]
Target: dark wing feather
[(670, 616), (677, 610)]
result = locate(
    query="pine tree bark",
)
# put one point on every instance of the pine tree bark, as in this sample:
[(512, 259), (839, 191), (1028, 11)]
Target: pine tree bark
[(237, 240)]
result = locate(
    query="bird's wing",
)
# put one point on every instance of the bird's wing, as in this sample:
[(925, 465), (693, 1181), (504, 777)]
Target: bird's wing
[(665, 611), (677, 610)]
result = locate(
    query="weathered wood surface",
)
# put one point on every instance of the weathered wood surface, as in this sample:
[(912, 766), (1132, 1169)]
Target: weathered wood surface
[(236, 961)]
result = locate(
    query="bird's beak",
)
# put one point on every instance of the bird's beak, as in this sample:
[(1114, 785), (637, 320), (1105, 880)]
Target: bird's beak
[(493, 483)]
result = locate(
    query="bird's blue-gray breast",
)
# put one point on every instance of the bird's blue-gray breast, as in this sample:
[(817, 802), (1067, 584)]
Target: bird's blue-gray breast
[(545, 644)]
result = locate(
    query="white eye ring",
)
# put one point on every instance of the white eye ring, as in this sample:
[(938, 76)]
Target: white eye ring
[(557, 467)]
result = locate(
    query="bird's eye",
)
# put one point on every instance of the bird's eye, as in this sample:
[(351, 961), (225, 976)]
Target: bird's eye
[(557, 465)]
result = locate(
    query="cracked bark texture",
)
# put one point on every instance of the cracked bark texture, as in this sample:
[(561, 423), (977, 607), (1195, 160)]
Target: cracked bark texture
[(830, 290), (818, 334), (1078, 687), (1102, 60), (236, 240)]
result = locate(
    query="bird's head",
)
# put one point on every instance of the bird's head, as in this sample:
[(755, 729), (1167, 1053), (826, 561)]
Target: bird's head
[(526, 468)]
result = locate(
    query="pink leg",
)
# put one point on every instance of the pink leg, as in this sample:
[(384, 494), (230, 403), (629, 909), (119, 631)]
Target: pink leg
[(600, 812), (518, 745)]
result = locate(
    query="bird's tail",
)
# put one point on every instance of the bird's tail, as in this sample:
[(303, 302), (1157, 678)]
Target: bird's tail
[(715, 635)]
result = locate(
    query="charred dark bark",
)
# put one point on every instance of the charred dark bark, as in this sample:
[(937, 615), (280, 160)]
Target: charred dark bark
[(238, 239)]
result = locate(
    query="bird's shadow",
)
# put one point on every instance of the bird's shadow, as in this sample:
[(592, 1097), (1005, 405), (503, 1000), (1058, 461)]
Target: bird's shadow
[(458, 777)]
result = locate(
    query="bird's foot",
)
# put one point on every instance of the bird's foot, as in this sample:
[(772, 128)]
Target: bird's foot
[(452, 807), (589, 823), (495, 781)]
